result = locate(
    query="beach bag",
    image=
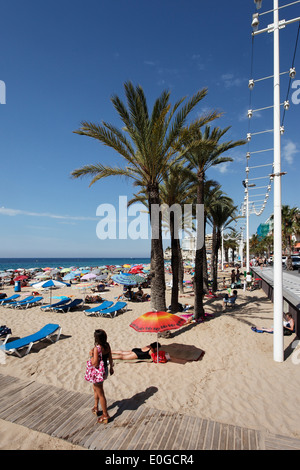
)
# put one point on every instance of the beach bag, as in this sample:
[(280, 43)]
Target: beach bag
[(95, 374), (161, 357)]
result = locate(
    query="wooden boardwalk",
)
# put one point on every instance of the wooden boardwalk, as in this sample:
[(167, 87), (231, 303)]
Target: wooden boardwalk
[(67, 415)]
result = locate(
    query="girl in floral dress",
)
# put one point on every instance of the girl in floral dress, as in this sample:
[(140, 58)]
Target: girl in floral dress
[(97, 371)]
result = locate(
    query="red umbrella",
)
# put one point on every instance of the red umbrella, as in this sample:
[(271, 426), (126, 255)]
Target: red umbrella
[(20, 278), (155, 322), (136, 269)]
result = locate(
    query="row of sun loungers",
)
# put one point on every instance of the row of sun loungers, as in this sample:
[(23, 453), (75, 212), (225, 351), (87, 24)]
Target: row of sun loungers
[(29, 301), (106, 309)]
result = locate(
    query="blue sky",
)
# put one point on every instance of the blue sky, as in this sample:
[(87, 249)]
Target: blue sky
[(62, 60)]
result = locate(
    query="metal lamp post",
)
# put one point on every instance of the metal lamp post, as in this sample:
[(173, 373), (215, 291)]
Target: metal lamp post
[(278, 344)]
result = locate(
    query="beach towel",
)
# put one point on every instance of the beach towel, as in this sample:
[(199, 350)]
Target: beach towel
[(253, 328), (183, 353)]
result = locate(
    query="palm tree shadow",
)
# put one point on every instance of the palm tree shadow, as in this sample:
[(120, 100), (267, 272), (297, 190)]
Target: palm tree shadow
[(132, 403)]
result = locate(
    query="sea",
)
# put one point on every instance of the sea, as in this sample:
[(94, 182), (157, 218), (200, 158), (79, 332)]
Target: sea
[(27, 263)]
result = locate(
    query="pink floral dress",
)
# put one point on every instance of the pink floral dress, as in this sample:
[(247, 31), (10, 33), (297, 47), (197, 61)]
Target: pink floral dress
[(92, 373)]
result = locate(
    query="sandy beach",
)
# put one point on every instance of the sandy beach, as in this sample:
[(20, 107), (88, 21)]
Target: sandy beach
[(236, 381)]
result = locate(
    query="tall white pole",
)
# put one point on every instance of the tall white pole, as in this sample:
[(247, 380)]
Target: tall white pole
[(247, 231), (278, 351)]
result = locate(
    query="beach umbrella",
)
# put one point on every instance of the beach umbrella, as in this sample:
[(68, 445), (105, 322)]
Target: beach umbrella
[(88, 277), (49, 284), (156, 322), (65, 270), (20, 278), (83, 287), (69, 276), (128, 279), (136, 269)]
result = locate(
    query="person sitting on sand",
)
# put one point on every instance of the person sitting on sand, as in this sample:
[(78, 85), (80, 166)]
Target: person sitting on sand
[(288, 326), (229, 299), (127, 293), (140, 296), (136, 353)]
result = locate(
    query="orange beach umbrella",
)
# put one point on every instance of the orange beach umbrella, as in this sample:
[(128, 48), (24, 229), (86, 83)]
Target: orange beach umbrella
[(155, 322)]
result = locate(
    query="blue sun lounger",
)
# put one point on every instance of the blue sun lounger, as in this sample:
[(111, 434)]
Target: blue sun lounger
[(46, 332), (57, 304), (112, 311), (20, 302), (9, 299), (67, 307), (96, 310), (30, 303)]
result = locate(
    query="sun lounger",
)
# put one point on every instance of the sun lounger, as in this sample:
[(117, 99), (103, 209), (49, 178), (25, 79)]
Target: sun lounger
[(30, 303), (9, 299), (20, 302), (5, 333), (112, 311), (46, 332), (95, 310), (56, 304), (67, 307)]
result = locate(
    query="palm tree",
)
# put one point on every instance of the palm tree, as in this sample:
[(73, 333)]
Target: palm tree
[(175, 191), (205, 152), (290, 225), (147, 143), (221, 214)]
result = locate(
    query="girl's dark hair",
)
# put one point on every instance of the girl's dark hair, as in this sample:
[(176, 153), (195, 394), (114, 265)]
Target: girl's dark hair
[(100, 337), (155, 345)]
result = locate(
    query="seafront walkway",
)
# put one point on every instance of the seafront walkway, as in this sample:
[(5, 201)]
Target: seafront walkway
[(67, 415), (290, 291)]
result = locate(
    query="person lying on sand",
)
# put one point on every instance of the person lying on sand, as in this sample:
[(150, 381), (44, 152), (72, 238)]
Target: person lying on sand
[(136, 353), (288, 326)]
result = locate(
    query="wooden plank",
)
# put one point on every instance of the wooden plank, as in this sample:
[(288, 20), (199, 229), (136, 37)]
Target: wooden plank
[(16, 405), (162, 431), (52, 411), (156, 422), (237, 438), (223, 443), (71, 424), (88, 423), (201, 435), (194, 426), (168, 430), (209, 435), (14, 393), (97, 439), (253, 441), (138, 439), (178, 428), (215, 444), (65, 406), (117, 432), (231, 438), (133, 429)]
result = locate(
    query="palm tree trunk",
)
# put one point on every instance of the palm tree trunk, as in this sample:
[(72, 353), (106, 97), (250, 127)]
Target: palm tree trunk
[(213, 256), (198, 279), (181, 269), (174, 264), (158, 287), (205, 272)]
